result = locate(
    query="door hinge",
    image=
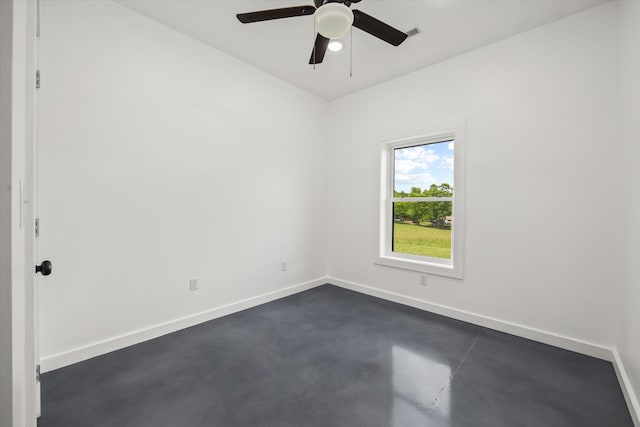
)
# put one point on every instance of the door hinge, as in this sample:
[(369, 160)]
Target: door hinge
[(37, 373), (37, 79), (37, 227)]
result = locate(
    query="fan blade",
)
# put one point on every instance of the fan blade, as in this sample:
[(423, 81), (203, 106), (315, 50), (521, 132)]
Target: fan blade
[(319, 49), (378, 28), (266, 15)]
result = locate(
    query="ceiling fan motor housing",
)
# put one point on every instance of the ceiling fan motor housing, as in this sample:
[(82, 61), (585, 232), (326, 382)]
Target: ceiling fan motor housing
[(333, 19)]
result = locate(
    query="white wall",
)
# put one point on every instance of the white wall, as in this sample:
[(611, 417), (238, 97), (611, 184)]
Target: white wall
[(541, 145), (163, 159), (629, 229)]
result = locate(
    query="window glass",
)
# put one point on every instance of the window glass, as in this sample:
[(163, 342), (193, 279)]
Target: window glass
[(423, 228), (421, 166)]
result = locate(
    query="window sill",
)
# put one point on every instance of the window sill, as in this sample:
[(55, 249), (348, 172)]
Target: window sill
[(420, 266)]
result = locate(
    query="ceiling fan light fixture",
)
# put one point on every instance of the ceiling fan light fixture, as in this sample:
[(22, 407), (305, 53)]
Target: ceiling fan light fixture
[(333, 20), (335, 46)]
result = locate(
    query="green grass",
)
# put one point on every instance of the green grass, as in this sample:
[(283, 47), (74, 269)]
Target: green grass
[(421, 240)]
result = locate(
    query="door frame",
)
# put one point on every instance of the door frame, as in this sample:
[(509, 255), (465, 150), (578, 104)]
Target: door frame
[(17, 125)]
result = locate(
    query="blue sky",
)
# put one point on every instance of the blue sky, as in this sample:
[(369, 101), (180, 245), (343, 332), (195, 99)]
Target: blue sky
[(423, 165)]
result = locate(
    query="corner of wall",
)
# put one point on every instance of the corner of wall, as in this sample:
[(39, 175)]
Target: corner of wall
[(627, 353), (627, 388)]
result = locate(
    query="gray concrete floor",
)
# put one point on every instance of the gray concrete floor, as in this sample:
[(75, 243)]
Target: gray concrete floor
[(332, 357)]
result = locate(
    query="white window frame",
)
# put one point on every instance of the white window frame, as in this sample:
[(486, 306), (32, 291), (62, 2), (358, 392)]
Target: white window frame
[(454, 267)]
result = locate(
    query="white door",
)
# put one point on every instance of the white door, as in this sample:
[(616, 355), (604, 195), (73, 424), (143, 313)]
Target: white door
[(32, 256), (44, 266)]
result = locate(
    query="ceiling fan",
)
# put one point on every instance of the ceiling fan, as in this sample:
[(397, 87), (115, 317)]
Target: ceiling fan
[(333, 18)]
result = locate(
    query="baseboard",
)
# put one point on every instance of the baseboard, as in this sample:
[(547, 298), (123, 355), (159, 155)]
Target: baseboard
[(572, 344), (98, 348), (627, 389), (79, 354), (538, 335)]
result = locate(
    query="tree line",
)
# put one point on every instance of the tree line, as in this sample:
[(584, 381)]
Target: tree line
[(418, 212)]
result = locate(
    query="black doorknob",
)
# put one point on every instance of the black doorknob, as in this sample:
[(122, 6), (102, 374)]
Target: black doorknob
[(44, 268)]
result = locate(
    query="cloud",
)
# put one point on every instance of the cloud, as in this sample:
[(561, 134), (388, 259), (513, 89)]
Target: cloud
[(406, 166), (414, 178), (450, 146), (447, 163), (414, 159)]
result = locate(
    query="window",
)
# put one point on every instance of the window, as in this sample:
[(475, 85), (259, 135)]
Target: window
[(422, 202)]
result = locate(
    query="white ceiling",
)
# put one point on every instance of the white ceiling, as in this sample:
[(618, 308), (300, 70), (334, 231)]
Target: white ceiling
[(283, 47)]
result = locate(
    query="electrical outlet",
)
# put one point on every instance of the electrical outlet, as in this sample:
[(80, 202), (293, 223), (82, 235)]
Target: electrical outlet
[(283, 265), (193, 284), (423, 280)]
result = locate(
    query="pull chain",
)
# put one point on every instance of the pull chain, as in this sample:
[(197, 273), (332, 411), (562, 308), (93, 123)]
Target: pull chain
[(351, 54), (314, 43)]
